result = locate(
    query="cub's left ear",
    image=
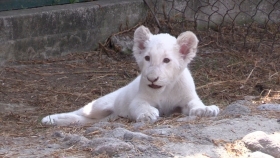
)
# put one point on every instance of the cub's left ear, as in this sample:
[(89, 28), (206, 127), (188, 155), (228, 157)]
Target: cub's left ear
[(187, 42)]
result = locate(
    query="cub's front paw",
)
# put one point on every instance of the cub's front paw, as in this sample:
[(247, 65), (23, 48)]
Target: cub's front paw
[(150, 115), (206, 111)]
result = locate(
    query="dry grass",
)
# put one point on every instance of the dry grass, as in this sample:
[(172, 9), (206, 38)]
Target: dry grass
[(228, 76), (236, 149)]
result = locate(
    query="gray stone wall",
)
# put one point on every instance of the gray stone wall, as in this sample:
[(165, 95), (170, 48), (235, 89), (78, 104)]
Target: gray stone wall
[(58, 30)]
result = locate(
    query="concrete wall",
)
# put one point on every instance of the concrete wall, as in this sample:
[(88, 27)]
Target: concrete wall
[(58, 30)]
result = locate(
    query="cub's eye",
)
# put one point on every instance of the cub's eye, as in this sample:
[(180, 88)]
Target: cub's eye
[(166, 60), (147, 58)]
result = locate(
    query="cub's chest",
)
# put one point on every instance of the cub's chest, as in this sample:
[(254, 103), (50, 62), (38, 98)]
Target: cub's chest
[(167, 105)]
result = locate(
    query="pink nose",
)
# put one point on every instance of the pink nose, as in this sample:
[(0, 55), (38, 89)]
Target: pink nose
[(152, 80)]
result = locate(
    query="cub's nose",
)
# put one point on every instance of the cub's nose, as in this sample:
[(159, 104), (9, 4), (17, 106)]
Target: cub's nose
[(152, 79)]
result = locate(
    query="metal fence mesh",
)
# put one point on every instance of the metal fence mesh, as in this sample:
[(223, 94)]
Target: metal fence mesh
[(236, 24)]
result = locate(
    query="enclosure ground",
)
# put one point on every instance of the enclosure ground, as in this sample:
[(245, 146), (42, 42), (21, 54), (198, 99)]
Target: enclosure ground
[(30, 90)]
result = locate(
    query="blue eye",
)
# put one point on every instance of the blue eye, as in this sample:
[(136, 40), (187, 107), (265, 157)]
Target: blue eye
[(147, 58), (166, 60)]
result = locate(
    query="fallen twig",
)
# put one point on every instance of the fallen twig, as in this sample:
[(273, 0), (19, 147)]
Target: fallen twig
[(157, 21), (216, 83), (242, 86), (205, 44)]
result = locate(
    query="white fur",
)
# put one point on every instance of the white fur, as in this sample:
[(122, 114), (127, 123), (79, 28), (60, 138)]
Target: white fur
[(137, 100)]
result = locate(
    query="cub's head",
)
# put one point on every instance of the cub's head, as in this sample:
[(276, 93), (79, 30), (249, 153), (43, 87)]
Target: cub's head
[(162, 58)]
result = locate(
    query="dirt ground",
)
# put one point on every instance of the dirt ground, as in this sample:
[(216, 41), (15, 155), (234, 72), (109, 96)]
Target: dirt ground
[(30, 90)]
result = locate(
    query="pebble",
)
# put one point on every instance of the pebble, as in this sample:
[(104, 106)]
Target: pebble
[(270, 107)]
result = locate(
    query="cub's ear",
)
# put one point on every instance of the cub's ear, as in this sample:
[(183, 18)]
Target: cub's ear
[(187, 42), (141, 35)]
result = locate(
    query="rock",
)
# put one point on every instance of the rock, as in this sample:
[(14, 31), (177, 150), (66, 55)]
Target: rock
[(260, 141), (128, 136), (160, 132), (55, 146), (125, 134), (72, 139), (271, 107), (122, 43), (258, 154), (163, 139), (58, 134), (110, 146), (101, 145), (231, 129), (143, 147), (111, 149), (236, 108)]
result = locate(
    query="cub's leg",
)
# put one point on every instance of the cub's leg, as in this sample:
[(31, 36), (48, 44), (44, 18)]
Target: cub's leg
[(90, 113), (197, 108), (141, 110)]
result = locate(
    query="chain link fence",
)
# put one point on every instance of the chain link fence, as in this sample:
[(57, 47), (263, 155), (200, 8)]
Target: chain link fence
[(253, 25)]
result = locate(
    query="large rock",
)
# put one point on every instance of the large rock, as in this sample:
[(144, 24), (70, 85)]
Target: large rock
[(122, 43), (260, 141), (258, 154)]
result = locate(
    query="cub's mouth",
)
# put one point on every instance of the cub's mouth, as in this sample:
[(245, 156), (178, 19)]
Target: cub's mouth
[(154, 86)]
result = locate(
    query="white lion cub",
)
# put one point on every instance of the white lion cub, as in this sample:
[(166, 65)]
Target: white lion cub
[(165, 84)]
